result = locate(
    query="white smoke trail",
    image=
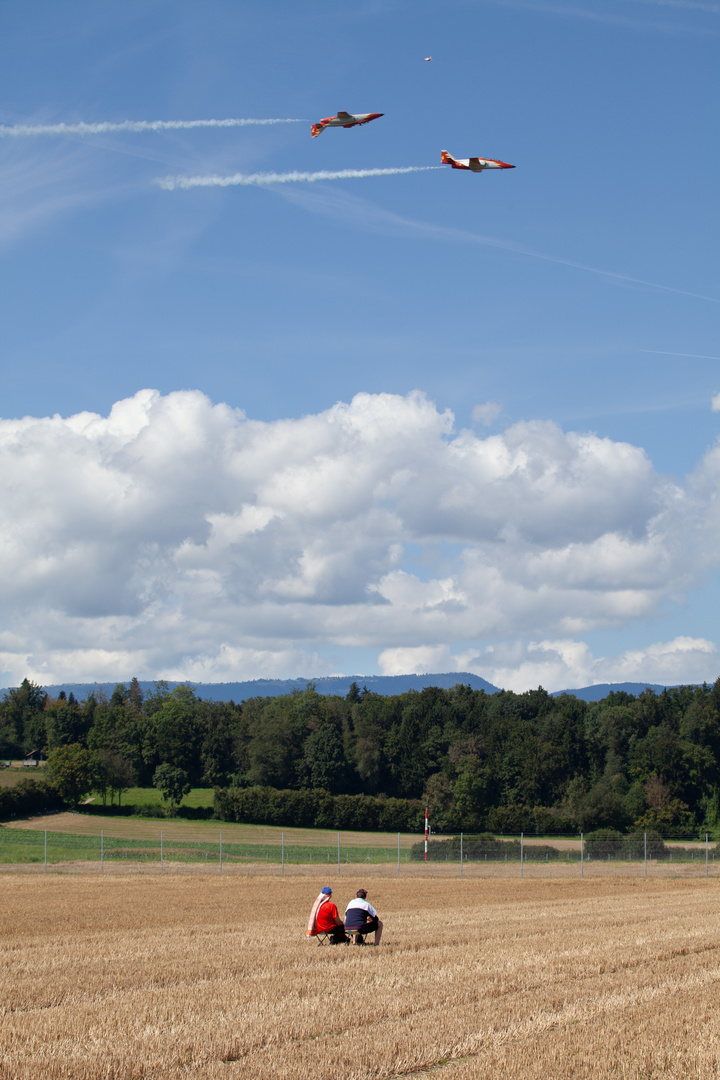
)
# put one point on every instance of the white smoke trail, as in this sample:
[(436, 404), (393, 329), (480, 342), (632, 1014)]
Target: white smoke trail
[(24, 130), (691, 355), (695, 5), (172, 183)]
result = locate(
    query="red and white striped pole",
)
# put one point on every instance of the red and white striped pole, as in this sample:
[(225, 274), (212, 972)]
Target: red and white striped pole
[(426, 831)]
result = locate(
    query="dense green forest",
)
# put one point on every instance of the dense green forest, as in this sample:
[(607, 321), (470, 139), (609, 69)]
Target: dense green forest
[(481, 762)]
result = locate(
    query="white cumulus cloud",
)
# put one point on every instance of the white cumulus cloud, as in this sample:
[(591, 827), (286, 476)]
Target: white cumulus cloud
[(176, 537)]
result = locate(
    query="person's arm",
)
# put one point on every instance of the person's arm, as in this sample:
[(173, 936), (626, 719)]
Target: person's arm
[(336, 917)]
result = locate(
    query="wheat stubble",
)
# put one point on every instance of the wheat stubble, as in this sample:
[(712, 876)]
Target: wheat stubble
[(208, 977)]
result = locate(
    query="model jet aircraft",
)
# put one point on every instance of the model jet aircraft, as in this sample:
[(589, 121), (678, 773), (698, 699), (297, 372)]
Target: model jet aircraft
[(344, 119), (474, 164), (427, 58)]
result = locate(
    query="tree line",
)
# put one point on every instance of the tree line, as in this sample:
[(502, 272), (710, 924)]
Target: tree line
[(500, 763)]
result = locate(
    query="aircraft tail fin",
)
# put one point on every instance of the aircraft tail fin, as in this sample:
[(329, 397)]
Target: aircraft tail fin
[(316, 129), (445, 158)]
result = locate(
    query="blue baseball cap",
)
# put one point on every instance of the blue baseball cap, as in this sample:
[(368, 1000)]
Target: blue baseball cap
[(327, 890)]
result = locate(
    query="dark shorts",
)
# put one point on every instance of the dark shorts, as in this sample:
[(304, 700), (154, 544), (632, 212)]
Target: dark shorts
[(362, 928)]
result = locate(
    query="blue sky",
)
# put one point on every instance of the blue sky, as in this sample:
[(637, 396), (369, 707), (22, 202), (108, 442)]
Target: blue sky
[(564, 312)]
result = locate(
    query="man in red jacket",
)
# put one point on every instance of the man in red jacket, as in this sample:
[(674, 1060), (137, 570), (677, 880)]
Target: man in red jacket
[(328, 921)]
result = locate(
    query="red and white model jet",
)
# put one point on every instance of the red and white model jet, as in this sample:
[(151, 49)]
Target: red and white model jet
[(344, 119), (474, 164)]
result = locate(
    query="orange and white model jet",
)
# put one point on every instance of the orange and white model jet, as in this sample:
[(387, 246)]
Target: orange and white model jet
[(344, 119), (473, 164)]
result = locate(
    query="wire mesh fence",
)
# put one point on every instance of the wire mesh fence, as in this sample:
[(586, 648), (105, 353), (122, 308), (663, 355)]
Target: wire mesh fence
[(640, 854), (463, 855)]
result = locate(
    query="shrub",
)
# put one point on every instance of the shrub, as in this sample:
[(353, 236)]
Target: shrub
[(479, 848), (148, 810), (604, 843), (28, 797), (315, 808), (655, 847), (673, 819)]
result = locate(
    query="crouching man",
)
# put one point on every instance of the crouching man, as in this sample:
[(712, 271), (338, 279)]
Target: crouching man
[(361, 916)]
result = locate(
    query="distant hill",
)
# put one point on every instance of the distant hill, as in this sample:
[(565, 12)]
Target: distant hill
[(338, 685), (601, 690)]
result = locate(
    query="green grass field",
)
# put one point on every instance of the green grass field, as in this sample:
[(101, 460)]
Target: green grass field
[(136, 796), (22, 845), (76, 837), (12, 776), (150, 796), (85, 824), (26, 843)]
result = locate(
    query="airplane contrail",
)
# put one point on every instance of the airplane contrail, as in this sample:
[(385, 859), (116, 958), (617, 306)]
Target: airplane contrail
[(696, 5), (172, 183), (351, 209), (25, 130), (691, 355)]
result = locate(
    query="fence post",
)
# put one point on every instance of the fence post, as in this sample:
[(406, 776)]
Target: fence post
[(162, 867), (398, 873), (45, 851), (582, 856), (221, 851), (102, 852), (645, 851), (338, 854), (282, 857), (521, 854), (461, 854), (706, 855)]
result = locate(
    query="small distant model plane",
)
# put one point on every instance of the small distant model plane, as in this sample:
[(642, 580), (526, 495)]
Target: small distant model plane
[(474, 164), (427, 57), (344, 119)]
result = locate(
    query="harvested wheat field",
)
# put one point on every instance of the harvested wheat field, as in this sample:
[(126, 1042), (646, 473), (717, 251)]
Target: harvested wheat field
[(201, 977)]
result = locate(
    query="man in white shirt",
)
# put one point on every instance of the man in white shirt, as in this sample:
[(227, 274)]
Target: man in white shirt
[(361, 916)]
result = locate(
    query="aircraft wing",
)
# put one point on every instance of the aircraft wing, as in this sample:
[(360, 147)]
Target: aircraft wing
[(345, 116)]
